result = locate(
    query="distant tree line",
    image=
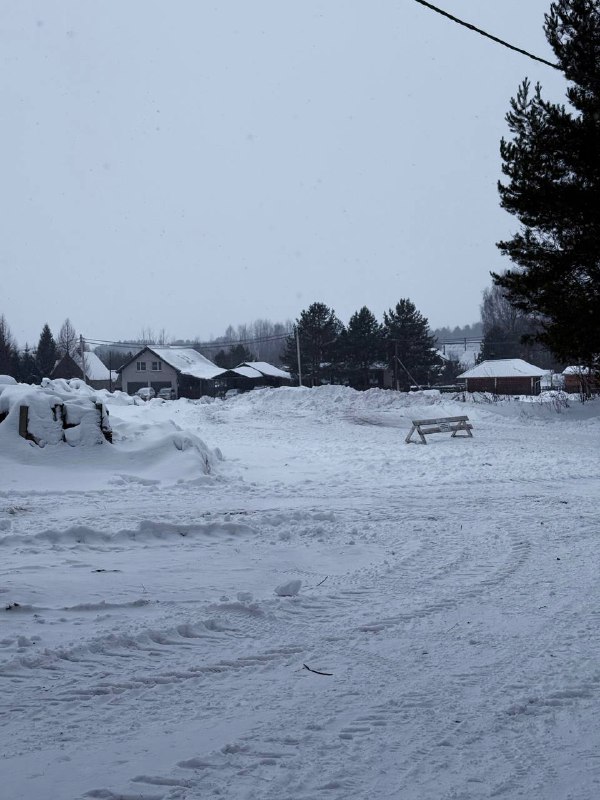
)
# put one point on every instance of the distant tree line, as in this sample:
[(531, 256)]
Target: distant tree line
[(473, 331), (325, 350), (30, 365)]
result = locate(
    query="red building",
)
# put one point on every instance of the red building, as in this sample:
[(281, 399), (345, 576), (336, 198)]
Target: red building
[(503, 376)]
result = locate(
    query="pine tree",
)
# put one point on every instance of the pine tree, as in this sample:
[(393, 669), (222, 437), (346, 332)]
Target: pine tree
[(236, 355), (361, 345), (552, 163), (411, 347), (29, 371), (46, 354), (319, 330), (7, 349), (498, 343)]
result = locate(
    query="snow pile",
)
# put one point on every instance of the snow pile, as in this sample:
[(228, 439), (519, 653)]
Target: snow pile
[(327, 401), (289, 589), (145, 450), (54, 415), (44, 421)]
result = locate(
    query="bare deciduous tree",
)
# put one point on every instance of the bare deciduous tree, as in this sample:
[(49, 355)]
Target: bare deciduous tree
[(68, 341)]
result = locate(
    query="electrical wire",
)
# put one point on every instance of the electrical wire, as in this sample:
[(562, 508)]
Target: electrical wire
[(487, 35)]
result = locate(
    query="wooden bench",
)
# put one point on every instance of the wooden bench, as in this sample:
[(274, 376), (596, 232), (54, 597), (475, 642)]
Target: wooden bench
[(440, 425)]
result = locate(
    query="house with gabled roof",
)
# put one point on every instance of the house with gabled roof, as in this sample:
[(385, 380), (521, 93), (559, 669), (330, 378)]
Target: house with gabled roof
[(580, 379), (503, 376), (183, 369), (92, 370), (266, 373)]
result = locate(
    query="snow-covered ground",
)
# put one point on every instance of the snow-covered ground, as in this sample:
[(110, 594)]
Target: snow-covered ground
[(155, 638)]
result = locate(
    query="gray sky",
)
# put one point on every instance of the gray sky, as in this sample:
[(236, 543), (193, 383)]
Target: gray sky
[(188, 165)]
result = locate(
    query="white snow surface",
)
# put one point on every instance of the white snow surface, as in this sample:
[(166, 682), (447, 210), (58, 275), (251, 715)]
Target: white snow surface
[(450, 599), (246, 372), (576, 370)]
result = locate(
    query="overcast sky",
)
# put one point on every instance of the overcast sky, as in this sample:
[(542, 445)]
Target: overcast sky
[(187, 165)]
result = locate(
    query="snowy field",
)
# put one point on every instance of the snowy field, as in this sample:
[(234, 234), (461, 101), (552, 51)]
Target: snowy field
[(449, 591)]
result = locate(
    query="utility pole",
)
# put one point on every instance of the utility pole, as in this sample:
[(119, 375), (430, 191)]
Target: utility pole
[(396, 381), (298, 355)]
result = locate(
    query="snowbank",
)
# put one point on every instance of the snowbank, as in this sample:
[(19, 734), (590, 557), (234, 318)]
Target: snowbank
[(56, 413)]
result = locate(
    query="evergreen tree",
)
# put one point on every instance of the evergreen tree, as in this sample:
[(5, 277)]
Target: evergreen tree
[(47, 353), (552, 166), (361, 345), (7, 348), (29, 371), (450, 369), (236, 355), (16, 365), (500, 342), (319, 330), (411, 346)]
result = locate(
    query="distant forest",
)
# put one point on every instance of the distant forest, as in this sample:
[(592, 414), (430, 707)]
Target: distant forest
[(466, 332)]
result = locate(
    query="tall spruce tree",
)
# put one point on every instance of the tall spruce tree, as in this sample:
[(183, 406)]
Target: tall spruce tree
[(236, 355), (411, 347), (552, 166), (7, 349), (46, 354), (361, 345), (318, 330), (29, 371)]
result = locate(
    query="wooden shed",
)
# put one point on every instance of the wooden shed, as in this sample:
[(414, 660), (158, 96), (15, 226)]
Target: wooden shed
[(580, 380), (503, 376)]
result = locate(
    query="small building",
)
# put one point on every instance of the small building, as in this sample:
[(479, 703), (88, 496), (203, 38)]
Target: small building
[(377, 375), (268, 375), (97, 375), (580, 380), (183, 369), (503, 376)]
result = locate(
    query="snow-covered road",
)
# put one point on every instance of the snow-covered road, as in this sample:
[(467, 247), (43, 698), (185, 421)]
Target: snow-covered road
[(451, 591)]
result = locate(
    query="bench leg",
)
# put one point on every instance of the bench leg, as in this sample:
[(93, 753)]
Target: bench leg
[(462, 427), (409, 437)]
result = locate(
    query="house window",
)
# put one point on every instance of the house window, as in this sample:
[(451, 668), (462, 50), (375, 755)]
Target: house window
[(141, 366), (156, 366)]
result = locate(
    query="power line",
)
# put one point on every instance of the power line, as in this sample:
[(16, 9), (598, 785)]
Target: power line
[(487, 35), (194, 344)]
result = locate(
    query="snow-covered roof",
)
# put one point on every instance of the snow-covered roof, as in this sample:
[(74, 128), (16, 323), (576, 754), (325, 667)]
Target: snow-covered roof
[(267, 369), (95, 370), (247, 372), (575, 370), (504, 368), (188, 361)]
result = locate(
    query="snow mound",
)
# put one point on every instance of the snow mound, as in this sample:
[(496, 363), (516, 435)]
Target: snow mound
[(326, 404), (335, 400), (145, 450), (56, 414), (289, 589)]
